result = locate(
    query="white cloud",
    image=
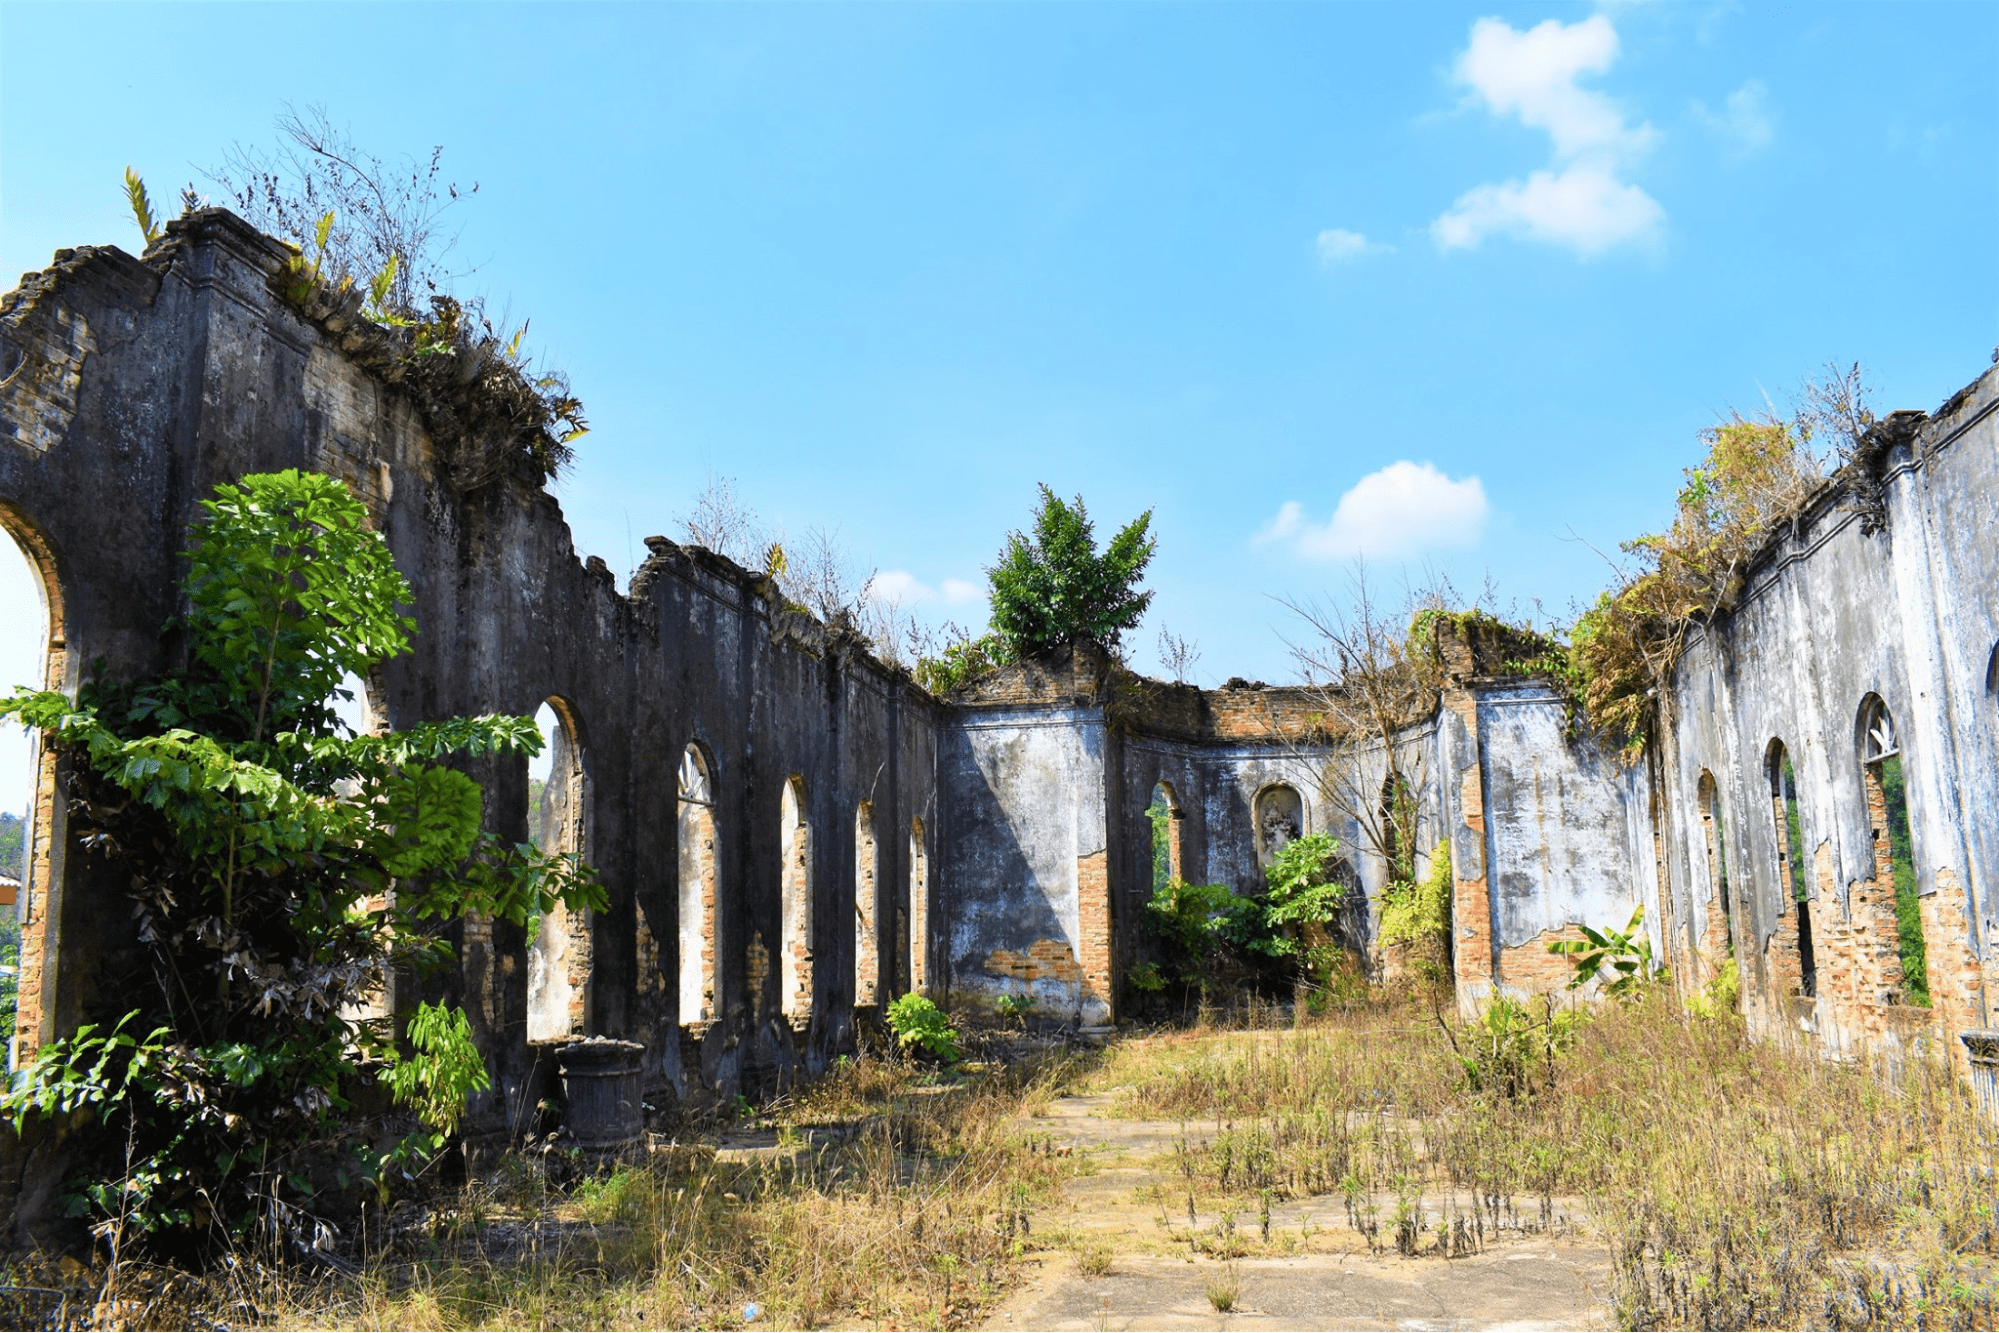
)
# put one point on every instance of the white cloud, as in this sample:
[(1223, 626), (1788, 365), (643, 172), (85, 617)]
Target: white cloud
[(1579, 201), (905, 589), (1404, 509), (1338, 245), (1586, 208), (1743, 124)]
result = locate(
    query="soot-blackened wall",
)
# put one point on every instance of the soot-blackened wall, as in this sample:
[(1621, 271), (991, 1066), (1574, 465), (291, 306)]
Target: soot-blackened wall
[(133, 387)]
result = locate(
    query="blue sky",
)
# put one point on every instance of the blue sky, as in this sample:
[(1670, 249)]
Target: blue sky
[(1451, 286)]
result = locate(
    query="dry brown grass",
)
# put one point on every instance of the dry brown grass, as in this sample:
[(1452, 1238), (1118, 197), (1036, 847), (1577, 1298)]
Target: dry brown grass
[(894, 1197), (1737, 1184)]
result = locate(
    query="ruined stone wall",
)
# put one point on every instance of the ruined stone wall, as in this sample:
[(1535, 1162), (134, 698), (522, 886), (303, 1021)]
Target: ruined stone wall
[(1854, 602), (133, 387)]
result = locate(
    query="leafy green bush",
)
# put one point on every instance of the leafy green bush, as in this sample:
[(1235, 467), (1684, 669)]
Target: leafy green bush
[(280, 870), (1304, 894), (1015, 1008), (1412, 913), (1198, 919), (917, 1022)]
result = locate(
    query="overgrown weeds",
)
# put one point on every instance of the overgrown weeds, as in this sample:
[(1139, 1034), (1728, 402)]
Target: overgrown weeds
[(1736, 1184)]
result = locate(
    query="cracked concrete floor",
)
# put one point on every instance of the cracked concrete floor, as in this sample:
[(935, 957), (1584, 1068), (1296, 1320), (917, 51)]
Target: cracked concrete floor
[(1525, 1278)]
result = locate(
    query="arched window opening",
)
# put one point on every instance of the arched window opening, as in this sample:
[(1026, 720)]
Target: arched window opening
[(919, 909), (31, 657), (867, 935), (1280, 817), (1168, 865), (697, 888), (794, 973), (1720, 937), (1894, 854), (559, 957), (1791, 860)]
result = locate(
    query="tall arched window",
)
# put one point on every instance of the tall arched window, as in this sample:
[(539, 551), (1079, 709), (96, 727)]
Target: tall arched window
[(698, 896), (867, 904), (1894, 854), (559, 958), (1168, 865), (32, 655), (795, 897), (1791, 859), (919, 909), (1719, 940)]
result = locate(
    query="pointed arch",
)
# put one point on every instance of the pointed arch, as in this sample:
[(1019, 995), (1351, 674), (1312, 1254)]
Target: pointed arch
[(698, 897), (794, 971), (559, 958)]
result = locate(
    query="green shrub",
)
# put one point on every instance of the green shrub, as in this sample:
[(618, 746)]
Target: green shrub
[(1412, 913), (261, 843), (1015, 1008), (917, 1022)]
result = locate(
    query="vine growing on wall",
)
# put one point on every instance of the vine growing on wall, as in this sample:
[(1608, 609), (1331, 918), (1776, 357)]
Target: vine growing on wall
[(280, 870)]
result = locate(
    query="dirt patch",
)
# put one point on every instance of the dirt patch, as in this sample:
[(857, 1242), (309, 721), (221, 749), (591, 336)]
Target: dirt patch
[(1125, 1253)]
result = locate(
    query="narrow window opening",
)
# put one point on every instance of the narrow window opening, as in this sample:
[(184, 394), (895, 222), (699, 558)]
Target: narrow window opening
[(1791, 861), (795, 961), (867, 936), (1894, 854), (559, 958), (919, 909), (1719, 940), (1168, 866), (696, 829)]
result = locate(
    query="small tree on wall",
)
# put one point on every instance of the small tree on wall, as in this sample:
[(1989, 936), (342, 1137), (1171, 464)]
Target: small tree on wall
[(279, 870), (1055, 586)]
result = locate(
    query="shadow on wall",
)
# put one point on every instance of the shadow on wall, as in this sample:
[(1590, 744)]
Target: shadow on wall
[(1006, 936)]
